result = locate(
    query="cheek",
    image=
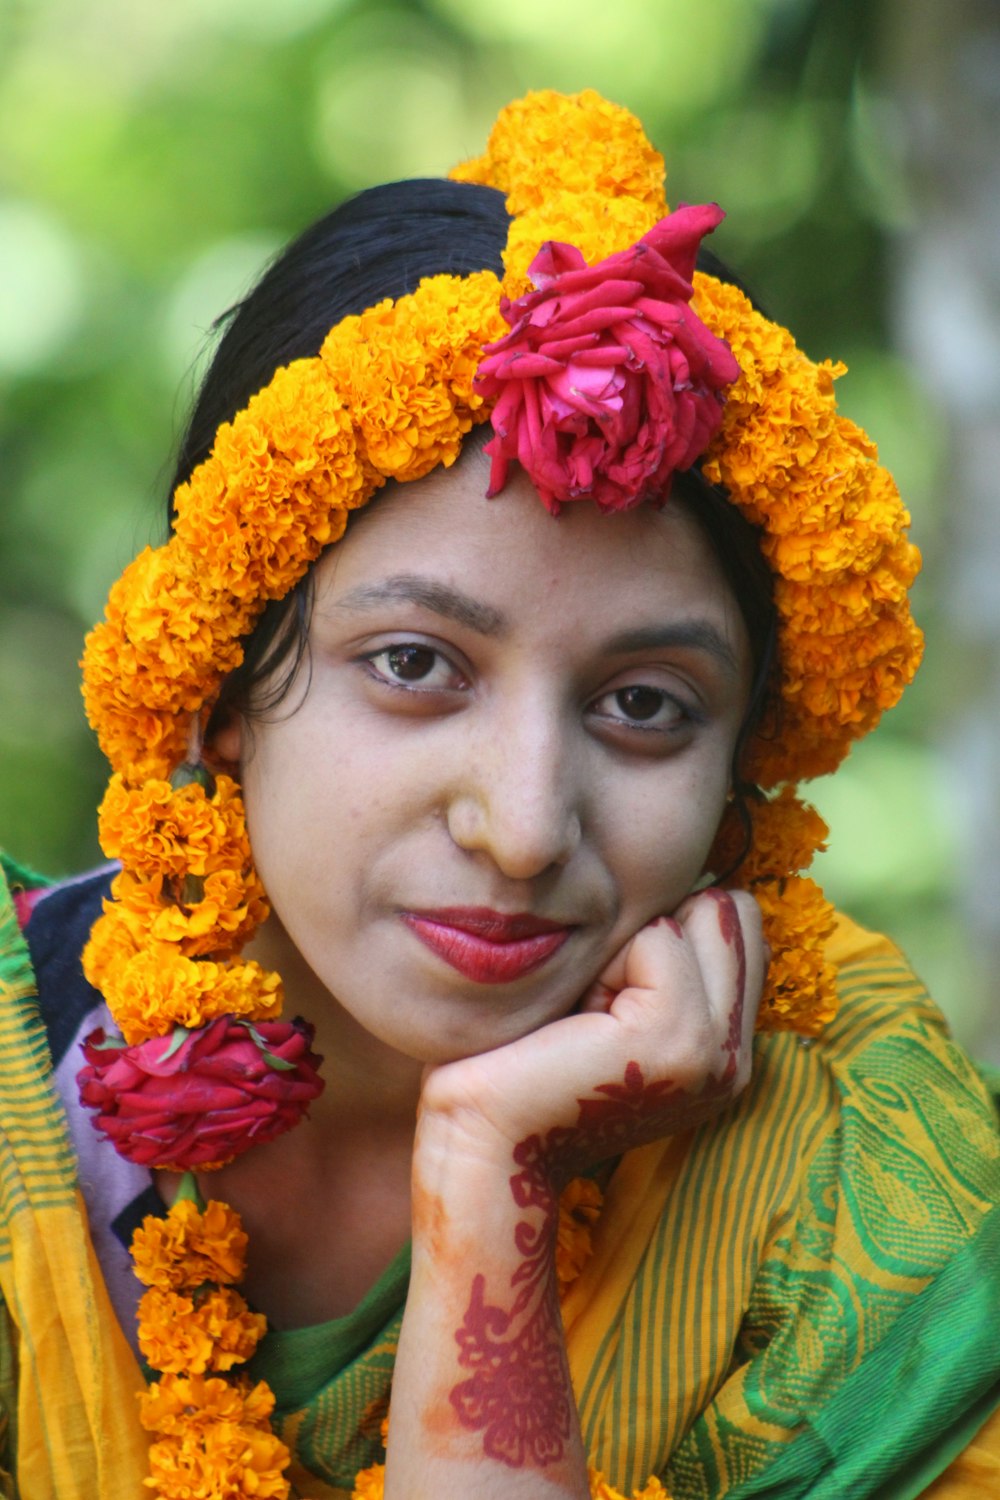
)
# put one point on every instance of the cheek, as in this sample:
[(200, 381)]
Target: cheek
[(291, 795), (659, 843), (324, 802)]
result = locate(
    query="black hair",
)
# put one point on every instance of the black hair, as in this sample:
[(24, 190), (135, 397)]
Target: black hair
[(380, 244)]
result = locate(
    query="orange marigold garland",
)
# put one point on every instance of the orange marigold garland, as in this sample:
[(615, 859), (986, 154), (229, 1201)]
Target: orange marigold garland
[(212, 1436), (833, 530), (391, 395), (797, 918)]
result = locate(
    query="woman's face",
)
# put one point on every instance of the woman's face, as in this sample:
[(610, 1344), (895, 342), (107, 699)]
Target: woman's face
[(504, 716)]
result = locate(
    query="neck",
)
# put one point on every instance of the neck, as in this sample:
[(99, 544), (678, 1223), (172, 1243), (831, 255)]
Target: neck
[(369, 1085), (327, 1205)]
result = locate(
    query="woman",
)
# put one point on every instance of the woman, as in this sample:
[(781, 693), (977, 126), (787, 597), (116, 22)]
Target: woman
[(499, 762)]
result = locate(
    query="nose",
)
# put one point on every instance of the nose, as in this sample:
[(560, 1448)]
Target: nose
[(517, 799)]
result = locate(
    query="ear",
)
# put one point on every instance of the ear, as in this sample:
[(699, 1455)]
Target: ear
[(227, 740)]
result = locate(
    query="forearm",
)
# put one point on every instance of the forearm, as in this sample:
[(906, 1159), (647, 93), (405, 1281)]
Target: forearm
[(481, 1392)]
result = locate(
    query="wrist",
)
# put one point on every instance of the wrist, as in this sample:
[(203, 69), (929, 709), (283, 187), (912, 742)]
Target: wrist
[(461, 1177)]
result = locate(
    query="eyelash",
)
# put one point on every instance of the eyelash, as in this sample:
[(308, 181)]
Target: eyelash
[(397, 648), (685, 715)]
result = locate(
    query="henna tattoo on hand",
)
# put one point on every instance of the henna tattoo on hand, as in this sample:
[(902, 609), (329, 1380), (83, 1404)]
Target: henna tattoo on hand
[(518, 1391), (517, 1394), (732, 936)]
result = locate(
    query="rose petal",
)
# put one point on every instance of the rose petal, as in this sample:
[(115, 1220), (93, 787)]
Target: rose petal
[(213, 1097), (607, 381)]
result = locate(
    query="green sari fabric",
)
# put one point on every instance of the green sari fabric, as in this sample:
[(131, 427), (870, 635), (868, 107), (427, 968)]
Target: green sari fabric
[(331, 1383)]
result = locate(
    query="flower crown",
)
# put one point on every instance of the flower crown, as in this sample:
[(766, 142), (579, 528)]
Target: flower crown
[(610, 364)]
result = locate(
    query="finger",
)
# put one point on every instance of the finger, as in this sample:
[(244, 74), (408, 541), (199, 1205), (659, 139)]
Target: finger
[(654, 991), (724, 929), (631, 964)]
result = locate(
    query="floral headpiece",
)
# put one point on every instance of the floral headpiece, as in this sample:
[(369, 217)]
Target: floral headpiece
[(609, 363)]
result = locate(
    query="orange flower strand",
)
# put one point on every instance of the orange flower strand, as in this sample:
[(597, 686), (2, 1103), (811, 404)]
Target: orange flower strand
[(800, 993), (276, 488), (166, 642), (834, 533), (580, 1206), (597, 226), (190, 1246), (110, 947), (786, 833), (800, 989), (407, 369)]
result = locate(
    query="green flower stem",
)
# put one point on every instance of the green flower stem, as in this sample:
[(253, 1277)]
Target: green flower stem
[(189, 1189)]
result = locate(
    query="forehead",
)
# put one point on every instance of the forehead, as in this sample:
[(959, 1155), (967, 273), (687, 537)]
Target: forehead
[(579, 574)]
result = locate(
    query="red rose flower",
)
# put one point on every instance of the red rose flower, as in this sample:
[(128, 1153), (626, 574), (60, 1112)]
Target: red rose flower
[(608, 381), (207, 1098)]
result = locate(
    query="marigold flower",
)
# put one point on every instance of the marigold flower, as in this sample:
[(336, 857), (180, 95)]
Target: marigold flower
[(597, 226), (579, 1209), (190, 1246), (276, 487), (199, 1331), (833, 531), (228, 908), (786, 833), (159, 989), (800, 992), (369, 1484), (407, 369), (220, 1462), (155, 829), (600, 1489), (109, 947), (164, 646), (549, 142)]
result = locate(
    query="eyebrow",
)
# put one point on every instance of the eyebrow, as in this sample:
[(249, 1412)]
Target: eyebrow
[(696, 635), (440, 598), (453, 604)]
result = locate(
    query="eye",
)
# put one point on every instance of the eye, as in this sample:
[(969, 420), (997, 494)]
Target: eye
[(413, 663), (642, 706), (639, 703)]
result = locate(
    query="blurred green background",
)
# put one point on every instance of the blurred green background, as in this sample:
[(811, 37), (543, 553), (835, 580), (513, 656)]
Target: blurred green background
[(153, 155)]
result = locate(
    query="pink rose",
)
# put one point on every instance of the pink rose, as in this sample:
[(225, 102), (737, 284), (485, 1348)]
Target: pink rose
[(608, 382), (226, 1087)]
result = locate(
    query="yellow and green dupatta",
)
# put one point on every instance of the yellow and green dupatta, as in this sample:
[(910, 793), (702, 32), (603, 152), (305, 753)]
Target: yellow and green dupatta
[(800, 1299), (815, 1308), (67, 1376)]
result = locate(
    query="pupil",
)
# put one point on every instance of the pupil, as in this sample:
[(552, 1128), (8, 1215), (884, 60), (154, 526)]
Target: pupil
[(640, 702), (411, 662)]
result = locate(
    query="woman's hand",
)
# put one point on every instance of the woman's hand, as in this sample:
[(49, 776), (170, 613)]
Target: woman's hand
[(482, 1394), (660, 1043)]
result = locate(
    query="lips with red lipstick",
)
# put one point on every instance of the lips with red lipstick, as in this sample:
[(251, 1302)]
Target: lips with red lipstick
[(490, 947)]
